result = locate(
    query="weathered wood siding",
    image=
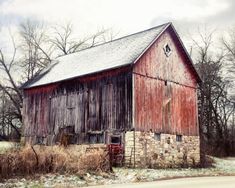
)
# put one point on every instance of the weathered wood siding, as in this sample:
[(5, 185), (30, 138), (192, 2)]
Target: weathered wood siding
[(157, 94), (97, 103), (165, 90)]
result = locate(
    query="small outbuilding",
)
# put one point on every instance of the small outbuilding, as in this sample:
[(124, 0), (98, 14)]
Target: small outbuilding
[(138, 91)]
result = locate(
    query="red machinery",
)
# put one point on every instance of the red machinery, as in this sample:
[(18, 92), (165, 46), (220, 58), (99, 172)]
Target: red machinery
[(116, 152)]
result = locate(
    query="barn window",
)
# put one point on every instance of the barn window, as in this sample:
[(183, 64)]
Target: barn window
[(115, 139), (157, 136), (96, 138), (178, 138), (167, 50), (39, 140), (66, 136), (165, 83)]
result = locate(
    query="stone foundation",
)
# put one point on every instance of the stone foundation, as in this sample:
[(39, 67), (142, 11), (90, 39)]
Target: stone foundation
[(147, 149)]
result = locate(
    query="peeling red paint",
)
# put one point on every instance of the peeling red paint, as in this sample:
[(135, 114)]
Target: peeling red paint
[(165, 90)]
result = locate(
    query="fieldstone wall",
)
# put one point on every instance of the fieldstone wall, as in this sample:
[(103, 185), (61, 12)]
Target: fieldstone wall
[(161, 150)]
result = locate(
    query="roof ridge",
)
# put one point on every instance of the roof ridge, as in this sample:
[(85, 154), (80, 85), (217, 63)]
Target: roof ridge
[(125, 36)]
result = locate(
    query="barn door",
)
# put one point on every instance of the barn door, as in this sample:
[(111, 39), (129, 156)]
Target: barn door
[(93, 109), (167, 106), (80, 112), (70, 110)]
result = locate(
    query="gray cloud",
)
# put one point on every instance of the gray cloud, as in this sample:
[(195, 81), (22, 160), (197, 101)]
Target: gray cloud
[(10, 19), (225, 17), (220, 20), (3, 1)]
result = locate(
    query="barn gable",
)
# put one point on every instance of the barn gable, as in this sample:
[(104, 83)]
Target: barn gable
[(176, 67), (170, 81)]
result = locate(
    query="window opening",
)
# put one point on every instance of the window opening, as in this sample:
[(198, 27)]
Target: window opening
[(95, 138), (167, 50), (115, 140), (157, 136), (179, 138)]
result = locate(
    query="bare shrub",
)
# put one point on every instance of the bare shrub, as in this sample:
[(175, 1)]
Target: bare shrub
[(52, 159), (96, 161)]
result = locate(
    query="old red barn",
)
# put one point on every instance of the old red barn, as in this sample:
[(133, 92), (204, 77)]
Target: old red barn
[(138, 91)]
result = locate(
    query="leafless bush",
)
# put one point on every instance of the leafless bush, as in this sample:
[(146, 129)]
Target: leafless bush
[(52, 159)]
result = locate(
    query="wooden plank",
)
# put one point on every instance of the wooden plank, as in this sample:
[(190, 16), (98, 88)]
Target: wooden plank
[(100, 104), (160, 108)]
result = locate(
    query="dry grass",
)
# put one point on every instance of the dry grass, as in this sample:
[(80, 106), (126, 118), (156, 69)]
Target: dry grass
[(55, 159)]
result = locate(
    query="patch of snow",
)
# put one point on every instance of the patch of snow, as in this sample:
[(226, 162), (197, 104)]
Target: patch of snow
[(6, 145), (123, 175)]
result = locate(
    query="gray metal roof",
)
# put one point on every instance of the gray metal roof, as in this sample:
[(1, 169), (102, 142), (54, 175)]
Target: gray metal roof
[(117, 53)]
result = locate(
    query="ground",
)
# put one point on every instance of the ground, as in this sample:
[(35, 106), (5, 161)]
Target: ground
[(196, 182), (122, 175), (6, 145)]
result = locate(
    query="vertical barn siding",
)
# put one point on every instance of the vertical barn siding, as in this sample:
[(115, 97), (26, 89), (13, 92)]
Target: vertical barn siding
[(165, 107), (96, 103)]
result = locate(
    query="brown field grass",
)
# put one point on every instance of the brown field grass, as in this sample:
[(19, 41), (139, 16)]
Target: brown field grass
[(52, 159)]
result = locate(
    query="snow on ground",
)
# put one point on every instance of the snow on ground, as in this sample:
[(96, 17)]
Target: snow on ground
[(5, 145), (123, 175)]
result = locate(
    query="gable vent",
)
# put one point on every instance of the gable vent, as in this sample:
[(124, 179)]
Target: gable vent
[(167, 50)]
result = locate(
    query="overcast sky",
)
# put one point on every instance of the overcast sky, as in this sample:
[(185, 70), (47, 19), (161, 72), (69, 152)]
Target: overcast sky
[(125, 16)]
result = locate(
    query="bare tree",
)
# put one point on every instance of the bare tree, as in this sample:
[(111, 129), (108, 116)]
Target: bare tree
[(102, 36), (9, 118), (229, 44), (11, 96), (109, 35), (35, 48), (65, 43), (214, 104), (34, 58)]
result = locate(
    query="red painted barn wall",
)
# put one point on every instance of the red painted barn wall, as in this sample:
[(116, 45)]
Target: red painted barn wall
[(168, 107)]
